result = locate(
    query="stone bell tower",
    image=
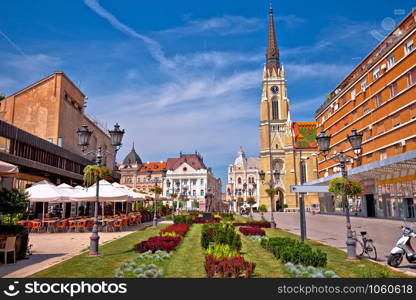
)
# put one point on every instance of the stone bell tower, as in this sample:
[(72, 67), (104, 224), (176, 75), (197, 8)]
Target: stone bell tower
[(276, 145)]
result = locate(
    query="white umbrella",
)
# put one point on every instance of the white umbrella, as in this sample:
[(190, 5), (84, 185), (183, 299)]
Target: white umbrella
[(7, 169), (45, 191), (107, 193), (132, 194)]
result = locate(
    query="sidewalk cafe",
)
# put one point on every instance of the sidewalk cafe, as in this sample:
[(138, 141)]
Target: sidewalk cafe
[(64, 208)]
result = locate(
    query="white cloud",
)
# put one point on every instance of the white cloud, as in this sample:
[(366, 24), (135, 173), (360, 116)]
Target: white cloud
[(297, 71), (225, 25), (290, 21)]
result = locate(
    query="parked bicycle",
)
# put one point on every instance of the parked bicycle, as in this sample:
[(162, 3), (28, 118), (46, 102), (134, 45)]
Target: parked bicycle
[(365, 246)]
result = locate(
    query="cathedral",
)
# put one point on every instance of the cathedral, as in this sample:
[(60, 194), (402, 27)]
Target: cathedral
[(283, 143)]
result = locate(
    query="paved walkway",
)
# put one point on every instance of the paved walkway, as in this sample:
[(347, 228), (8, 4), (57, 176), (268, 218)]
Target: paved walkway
[(51, 248), (331, 230)]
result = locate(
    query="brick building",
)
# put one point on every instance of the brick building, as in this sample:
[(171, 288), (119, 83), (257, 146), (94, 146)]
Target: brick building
[(378, 99)]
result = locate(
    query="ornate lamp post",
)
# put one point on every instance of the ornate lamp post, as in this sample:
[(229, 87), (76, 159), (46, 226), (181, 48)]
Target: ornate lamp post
[(262, 176), (84, 135), (157, 193), (355, 140)]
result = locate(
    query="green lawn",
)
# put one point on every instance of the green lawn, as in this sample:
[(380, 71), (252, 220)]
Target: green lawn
[(337, 261), (113, 255), (188, 260), (267, 266)]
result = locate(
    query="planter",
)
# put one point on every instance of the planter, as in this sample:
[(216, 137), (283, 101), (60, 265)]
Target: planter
[(22, 240), (207, 216)]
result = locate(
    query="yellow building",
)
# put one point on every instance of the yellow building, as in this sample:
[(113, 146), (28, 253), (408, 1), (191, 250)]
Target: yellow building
[(289, 140)]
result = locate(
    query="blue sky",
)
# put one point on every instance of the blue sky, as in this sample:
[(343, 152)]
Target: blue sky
[(186, 75)]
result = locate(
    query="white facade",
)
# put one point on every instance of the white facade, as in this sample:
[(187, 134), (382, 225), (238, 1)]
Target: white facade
[(243, 179), (191, 183)]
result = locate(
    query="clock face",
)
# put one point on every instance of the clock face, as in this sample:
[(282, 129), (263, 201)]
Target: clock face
[(275, 89)]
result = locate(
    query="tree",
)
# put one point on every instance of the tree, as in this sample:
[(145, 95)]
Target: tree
[(156, 189), (251, 201), (173, 197), (92, 173), (12, 203)]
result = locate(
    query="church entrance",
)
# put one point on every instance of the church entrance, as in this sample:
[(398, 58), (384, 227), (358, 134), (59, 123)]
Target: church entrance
[(279, 201)]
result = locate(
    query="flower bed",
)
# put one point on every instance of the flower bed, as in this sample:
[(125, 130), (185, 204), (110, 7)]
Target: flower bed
[(301, 271), (290, 250), (228, 267), (163, 243), (252, 231), (254, 224), (180, 229), (201, 220), (220, 234)]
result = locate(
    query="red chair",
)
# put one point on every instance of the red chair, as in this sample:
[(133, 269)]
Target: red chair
[(62, 225), (72, 225), (118, 225), (80, 225), (89, 225), (35, 226)]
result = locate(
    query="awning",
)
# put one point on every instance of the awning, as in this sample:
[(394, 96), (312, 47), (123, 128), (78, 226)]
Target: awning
[(402, 165), (8, 170)]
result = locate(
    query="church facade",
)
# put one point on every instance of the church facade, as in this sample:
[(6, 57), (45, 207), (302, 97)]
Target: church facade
[(283, 143)]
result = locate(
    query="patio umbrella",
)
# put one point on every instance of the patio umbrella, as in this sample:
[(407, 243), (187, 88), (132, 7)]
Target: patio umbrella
[(46, 192), (107, 193), (8, 170)]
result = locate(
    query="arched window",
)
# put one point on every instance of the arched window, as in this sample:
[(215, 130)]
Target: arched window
[(239, 180), (275, 108)]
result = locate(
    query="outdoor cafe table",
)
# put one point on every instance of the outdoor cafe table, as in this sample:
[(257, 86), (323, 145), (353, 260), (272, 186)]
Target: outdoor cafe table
[(50, 224)]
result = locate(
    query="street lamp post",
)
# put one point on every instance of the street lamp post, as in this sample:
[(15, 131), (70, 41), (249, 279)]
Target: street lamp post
[(302, 199), (262, 176), (355, 140), (84, 135), (157, 193)]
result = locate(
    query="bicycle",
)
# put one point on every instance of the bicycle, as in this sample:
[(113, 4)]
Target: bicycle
[(366, 246)]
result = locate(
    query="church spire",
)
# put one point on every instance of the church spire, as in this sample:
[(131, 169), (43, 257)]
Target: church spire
[(272, 54)]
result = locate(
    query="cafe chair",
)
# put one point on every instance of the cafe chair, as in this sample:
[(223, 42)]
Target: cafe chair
[(9, 247)]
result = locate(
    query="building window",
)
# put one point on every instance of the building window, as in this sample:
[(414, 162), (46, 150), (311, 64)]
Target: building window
[(393, 89), (202, 192), (50, 140), (239, 180), (390, 61), (365, 108), (408, 46), (336, 105), (377, 99), (275, 109), (354, 115), (364, 85), (411, 77), (367, 134), (376, 72), (380, 127), (395, 120), (202, 181), (194, 193), (353, 94), (383, 154), (59, 141), (413, 111)]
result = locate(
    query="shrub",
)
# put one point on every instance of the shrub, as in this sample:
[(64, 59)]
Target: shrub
[(11, 229), (221, 250), (183, 219), (252, 231), (180, 229), (259, 224), (290, 250), (164, 243), (301, 271), (229, 267), (201, 220), (220, 234)]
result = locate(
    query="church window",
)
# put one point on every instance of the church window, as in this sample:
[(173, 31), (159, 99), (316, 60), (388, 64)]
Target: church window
[(275, 108), (239, 180)]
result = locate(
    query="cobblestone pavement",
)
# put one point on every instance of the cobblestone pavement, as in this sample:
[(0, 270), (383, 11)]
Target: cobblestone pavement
[(51, 248), (331, 230)]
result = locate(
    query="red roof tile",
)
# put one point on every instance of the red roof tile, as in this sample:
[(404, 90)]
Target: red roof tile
[(194, 160)]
